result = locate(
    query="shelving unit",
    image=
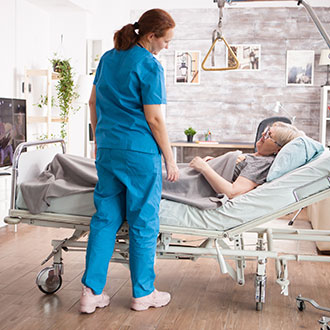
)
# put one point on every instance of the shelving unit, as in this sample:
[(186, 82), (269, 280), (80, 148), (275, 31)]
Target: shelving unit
[(325, 116), (94, 53), (48, 119)]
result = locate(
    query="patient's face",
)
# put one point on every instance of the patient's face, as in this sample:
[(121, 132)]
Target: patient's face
[(266, 145)]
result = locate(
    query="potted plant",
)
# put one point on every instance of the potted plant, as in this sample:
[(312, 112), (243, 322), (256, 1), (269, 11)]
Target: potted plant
[(59, 64), (190, 132), (65, 88)]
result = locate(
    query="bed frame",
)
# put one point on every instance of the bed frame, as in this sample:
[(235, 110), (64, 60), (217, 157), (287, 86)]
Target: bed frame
[(222, 245)]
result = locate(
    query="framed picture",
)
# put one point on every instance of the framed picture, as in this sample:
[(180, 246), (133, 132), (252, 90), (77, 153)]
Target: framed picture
[(187, 67), (247, 55), (300, 67)]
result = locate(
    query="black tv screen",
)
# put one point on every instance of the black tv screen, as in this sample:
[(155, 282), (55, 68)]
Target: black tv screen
[(12, 128)]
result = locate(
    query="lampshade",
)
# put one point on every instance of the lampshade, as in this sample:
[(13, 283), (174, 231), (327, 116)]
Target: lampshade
[(277, 107), (84, 87), (325, 57)]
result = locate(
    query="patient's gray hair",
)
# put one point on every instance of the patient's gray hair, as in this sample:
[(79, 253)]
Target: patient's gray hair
[(284, 133)]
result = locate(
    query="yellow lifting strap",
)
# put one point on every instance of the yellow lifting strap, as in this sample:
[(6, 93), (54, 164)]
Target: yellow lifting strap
[(230, 51)]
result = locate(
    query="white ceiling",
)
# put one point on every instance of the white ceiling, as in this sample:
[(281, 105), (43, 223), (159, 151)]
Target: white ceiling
[(56, 5)]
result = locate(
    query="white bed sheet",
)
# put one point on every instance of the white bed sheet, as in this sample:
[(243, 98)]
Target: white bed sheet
[(77, 204), (259, 202)]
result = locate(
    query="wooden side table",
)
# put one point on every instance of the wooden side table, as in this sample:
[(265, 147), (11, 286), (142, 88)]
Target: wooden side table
[(227, 146)]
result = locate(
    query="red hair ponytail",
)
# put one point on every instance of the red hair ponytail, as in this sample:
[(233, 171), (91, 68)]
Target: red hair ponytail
[(155, 21), (125, 38)]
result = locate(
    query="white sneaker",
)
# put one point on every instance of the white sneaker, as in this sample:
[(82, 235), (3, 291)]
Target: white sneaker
[(154, 299), (89, 301)]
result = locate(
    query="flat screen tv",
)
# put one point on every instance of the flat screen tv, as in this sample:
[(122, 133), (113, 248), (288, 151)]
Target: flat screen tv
[(12, 128)]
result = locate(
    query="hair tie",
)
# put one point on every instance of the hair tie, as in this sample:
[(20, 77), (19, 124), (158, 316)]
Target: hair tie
[(136, 25)]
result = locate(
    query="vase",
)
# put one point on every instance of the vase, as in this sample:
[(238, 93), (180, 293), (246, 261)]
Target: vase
[(190, 138)]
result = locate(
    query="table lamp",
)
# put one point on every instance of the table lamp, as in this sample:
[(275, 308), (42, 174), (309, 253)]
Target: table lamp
[(325, 60), (279, 106)]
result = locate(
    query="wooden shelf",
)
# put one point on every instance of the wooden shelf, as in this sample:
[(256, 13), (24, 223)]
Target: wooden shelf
[(220, 145), (42, 119), (227, 146), (40, 73)]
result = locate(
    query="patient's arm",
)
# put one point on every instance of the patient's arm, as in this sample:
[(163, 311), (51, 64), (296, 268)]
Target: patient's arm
[(218, 183)]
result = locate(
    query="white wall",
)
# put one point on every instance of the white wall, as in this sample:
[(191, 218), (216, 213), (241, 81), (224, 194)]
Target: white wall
[(105, 18), (7, 54), (32, 39), (24, 35), (72, 25)]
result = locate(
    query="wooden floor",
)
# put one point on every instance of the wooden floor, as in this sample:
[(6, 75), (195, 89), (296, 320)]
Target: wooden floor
[(202, 298)]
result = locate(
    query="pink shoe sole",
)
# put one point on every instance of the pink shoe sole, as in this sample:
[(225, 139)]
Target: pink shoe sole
[(138, 307), (91, 309), (156, 299)]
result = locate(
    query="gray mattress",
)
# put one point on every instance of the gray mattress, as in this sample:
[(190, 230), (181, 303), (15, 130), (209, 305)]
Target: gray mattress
[(259, 202)]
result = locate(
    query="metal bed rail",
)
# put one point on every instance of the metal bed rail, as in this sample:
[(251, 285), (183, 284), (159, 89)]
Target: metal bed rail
[(17, 154)]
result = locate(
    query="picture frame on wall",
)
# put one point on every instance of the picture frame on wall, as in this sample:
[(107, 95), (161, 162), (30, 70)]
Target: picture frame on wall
[(248, 56), (187, 67), (300, 67)]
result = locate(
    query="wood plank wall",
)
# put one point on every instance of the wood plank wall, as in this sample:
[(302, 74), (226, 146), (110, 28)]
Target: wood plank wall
[(232, 103)]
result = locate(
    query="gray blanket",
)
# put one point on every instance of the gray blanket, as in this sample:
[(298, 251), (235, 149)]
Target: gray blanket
[(193, 189), (68, 174), (65, 175)]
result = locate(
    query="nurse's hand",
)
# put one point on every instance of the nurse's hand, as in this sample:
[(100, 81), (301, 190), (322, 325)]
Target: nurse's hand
[(172, 171)]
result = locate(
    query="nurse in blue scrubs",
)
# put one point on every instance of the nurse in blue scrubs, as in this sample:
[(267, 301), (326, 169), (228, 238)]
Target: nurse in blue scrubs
[(130, 135)]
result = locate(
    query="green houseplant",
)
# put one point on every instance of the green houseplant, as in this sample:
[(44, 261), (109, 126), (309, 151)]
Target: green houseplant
[(65, 89), (190, 132)]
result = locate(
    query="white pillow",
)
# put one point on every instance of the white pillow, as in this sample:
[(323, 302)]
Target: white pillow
[(296, 153)]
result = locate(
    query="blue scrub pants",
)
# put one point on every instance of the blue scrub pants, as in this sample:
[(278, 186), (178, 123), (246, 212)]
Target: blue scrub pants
[(129, 187)]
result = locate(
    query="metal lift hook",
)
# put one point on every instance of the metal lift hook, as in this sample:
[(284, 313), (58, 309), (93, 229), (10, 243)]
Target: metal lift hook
[(217, 36), (218, 30)]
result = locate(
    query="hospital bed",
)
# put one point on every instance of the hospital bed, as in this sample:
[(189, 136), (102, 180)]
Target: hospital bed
[(221, 231)]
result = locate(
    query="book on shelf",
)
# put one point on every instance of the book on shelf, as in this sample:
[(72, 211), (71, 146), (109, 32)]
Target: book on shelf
[(207, 142)]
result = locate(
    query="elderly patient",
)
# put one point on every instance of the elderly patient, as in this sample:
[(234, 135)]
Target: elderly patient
[(251, 169)]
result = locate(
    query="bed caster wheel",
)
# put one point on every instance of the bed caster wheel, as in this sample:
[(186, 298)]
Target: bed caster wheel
[(259, 306), (47, 281), (301, 305)]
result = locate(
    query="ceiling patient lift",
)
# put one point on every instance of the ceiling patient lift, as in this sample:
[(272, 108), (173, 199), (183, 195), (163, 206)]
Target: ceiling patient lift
[(217, 36), (217, 33)]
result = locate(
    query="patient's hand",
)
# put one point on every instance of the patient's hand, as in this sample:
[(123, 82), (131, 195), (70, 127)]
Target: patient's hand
[(240, 158), (198, 164), (207, 158)]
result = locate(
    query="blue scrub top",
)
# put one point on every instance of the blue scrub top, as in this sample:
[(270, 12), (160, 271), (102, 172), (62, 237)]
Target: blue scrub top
[(126, 80)]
